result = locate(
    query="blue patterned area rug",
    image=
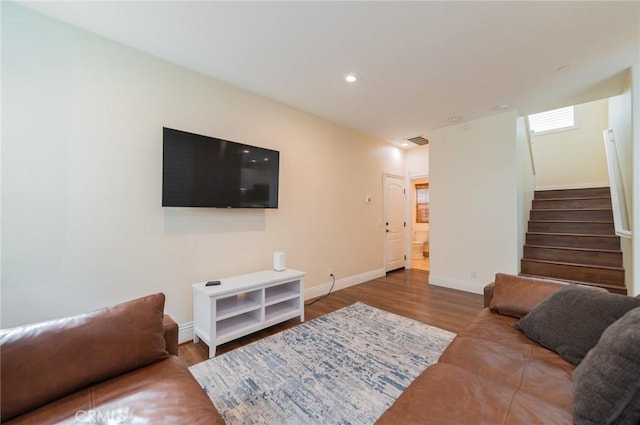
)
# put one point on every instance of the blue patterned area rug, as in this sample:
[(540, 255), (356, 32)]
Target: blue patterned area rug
[(346, 367)]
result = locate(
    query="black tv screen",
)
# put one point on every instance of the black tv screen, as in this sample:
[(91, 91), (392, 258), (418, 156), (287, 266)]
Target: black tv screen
[(201, 171)]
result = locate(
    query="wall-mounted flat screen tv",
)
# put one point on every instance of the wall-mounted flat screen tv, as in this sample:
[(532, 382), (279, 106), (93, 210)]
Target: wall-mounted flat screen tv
[(201, 171)]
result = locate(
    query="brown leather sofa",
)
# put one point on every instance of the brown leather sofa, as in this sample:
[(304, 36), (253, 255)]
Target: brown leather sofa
[(114, 365), (492, 373)]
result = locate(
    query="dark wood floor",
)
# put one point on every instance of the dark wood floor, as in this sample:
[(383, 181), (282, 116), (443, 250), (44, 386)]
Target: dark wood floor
[(404, 292)]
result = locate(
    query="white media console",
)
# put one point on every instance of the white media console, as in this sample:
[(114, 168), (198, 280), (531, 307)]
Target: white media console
[(244, 304)]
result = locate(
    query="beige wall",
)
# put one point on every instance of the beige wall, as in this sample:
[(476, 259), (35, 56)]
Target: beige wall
[(474, 185), (574, 158), (82, 222)]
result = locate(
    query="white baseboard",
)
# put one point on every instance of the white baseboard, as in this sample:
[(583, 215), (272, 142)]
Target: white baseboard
[(461, 285), (573, 186), (185, 330), (346, 282)]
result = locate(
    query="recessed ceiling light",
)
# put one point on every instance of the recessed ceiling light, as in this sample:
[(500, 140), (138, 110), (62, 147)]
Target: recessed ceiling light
[(563, 68), (503, 107), (455, 118), (404, 144), (351, 77)]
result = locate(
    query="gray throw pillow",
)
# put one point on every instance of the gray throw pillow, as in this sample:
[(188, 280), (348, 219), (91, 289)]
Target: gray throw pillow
[(571, 321), (606, 385)]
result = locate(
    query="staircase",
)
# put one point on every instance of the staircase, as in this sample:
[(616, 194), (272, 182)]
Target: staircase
[(571, 237)]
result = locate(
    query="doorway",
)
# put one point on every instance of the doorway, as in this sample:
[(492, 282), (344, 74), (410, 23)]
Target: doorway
[(395, 224), (420, 223)]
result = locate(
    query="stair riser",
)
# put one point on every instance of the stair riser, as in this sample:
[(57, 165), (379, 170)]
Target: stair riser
[(571, 241), (571, 215), (573, 193), (622, 290), (539, 204), (571, 237), (614, 289), (595, 258), (583, 228), (562, 271)]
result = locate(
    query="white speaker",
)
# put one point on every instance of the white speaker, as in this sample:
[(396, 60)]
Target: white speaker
[(279, 263)]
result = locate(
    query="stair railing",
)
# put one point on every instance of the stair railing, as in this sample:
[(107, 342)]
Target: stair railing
[(529, 143), (616, 185)]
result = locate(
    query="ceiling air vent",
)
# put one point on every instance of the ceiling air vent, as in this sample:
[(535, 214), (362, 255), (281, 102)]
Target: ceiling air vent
[(420, 141)]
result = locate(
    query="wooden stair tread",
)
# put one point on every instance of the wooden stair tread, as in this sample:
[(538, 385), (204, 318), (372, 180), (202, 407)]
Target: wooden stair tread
[(591, 227), (577, 198), (574, 234), (571, 238), (572, 193), (569, 248), (599, 285), (591, 266), (571, 209), (565, 214), (571, 221)]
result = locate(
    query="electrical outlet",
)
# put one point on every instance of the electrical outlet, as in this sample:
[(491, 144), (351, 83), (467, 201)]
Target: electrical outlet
[(331, 272)]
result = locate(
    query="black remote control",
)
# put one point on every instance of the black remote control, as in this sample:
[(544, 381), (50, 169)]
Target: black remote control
[(212, 283)]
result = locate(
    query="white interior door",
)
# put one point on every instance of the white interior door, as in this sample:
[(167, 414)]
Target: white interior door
[(394, 201)]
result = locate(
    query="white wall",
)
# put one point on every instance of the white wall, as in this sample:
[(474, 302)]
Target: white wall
[(418, 162), (635, 190), (574, 158), (620, 120), (417, 171), (82, 222), (526, 182), (474, 183)]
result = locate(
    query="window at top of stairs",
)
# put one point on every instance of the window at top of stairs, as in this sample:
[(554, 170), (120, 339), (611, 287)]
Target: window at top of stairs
[(551, 121)]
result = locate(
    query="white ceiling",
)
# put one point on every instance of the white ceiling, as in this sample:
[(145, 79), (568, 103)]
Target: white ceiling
[(420, 62)]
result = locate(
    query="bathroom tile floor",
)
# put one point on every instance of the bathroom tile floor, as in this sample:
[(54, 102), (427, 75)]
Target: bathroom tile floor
[(422, 264)]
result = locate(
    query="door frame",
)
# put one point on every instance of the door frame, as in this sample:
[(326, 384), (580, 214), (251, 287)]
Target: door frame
[(409, 213), (405, 211)]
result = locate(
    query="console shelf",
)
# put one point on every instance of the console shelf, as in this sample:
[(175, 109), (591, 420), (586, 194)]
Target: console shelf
[(238, 304), (244, 304)]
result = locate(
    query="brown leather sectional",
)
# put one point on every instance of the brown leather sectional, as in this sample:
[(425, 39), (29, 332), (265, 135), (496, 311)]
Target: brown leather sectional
[(120, 365), (114, 365), (492, 373)]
